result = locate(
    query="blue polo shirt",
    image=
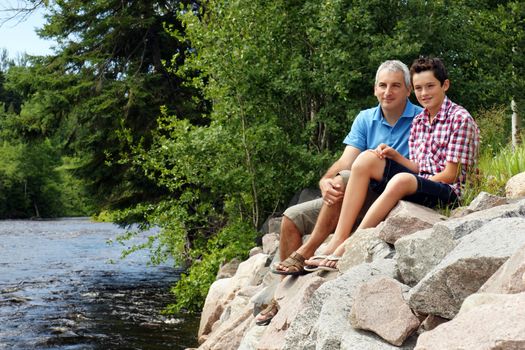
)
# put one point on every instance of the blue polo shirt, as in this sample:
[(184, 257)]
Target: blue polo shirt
[(370, 129)]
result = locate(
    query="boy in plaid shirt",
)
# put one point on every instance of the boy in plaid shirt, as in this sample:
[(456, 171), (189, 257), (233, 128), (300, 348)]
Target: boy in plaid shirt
[(443, 143)]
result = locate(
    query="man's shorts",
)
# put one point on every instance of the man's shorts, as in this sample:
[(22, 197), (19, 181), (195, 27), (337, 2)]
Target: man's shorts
[(304, 215)]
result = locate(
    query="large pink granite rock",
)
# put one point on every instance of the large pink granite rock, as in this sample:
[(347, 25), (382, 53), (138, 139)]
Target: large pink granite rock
[(379, 307), (407, 218), (515, 187), (496, 324)]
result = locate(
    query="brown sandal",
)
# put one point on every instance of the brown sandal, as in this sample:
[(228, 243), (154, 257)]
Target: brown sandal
[(265, 316), (295, 261)]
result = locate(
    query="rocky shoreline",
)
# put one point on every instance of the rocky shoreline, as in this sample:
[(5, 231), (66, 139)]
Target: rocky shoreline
[(419, 281)]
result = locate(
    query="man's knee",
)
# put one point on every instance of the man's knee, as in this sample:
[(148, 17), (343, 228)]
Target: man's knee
[(288, 226)]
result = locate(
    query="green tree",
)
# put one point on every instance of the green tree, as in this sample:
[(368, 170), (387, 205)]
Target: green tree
[(107, 75)]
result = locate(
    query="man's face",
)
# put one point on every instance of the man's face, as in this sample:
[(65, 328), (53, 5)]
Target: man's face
[(391, 90), (429, 91)]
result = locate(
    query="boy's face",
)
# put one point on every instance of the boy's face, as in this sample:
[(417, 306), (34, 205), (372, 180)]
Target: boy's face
[(429, 91), (391, 91)]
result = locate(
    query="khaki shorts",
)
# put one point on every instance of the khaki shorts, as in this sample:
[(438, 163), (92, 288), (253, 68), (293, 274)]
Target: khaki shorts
[(304, 215)]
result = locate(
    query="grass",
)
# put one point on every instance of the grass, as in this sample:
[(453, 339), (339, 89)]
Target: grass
[(495, 171)]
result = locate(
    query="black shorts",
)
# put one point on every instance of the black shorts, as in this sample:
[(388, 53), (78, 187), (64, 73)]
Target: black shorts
[(429, 193)]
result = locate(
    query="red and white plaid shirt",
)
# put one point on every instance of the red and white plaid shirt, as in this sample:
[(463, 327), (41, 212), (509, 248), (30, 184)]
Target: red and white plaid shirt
[(453, 136)]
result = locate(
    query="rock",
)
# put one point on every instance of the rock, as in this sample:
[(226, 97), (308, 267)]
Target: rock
[(255, 251), (498, 324), (460, 227), (324, 321), (228, 270), (249, 273), (467, 267), (228, 335), (379, 307), (363, 246), (292, 295), (407, 218), (430, 322), (419, 253), (510, 277), (515, 187), (483, 201), (270, 243)]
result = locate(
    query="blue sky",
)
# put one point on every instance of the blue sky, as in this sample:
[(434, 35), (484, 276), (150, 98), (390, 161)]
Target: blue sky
[(18, 38)]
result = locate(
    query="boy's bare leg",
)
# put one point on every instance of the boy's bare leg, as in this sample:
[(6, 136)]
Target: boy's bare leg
[(400, 186), (367, 166)]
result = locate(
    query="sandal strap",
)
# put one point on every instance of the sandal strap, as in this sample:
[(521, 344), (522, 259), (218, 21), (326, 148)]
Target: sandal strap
[(273, 305), (295, 260)]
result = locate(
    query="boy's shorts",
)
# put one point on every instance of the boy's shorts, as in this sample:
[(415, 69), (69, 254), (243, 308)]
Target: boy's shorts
[(304, 215), (429, 193)]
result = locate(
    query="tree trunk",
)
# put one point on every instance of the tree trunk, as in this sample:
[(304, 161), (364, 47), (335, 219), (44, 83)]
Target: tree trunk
[(516, 124)]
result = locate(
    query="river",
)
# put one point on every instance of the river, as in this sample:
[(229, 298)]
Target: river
[(62, 286)]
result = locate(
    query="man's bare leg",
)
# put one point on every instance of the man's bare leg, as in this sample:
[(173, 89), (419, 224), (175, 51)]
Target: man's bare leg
[(290, 238)]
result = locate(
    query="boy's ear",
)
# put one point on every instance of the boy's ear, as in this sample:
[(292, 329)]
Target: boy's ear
[(446, 84)]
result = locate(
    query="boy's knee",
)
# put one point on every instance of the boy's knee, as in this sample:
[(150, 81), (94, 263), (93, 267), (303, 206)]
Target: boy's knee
[(365, 161), (402, 183)]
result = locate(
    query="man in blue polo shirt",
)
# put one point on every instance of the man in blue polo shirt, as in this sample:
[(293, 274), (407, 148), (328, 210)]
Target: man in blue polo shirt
[(389, 123)]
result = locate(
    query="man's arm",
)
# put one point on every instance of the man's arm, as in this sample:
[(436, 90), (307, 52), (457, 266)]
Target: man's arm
[(332, 190)]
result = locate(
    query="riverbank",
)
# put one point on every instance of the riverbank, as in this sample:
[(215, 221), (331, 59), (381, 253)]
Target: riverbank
[(417, 281)]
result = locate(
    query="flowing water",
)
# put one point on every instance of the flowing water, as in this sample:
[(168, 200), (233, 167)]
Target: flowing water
[(63, 287)]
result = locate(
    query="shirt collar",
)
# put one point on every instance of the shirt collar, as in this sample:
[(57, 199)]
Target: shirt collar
[(442, 113), (408, 112)]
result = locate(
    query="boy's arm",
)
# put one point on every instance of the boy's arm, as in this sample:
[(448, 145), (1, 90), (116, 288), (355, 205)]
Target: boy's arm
[(448, 175), (385, 151)]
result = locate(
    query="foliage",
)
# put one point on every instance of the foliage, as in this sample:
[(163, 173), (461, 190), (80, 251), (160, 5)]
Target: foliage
[(496, 170), (233, 241), (32, 184)]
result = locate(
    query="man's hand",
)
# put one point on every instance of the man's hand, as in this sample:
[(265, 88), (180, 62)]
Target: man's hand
[(332, 190)]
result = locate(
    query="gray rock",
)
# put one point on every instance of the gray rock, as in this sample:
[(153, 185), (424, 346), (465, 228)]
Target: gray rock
[(292, 295), (510, 277), (379, 307), (467, 267), (228, 270), (363, 246), (270, 243), (460, 227), (420, 252)]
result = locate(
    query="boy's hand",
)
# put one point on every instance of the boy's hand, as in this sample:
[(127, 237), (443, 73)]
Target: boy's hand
[(385, 151)]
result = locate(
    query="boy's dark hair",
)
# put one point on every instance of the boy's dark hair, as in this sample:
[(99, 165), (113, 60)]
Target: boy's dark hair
[(423, 64)]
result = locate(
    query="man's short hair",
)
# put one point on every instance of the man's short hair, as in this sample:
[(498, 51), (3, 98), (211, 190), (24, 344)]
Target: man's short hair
[(395, 66), (423, 64)]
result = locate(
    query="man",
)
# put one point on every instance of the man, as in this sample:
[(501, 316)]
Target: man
[(388, 123)]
